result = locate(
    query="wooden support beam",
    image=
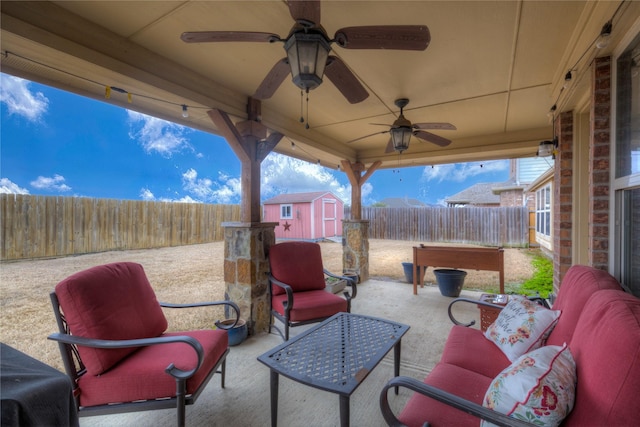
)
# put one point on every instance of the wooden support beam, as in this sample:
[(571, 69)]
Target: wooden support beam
[(354, 173), (248, 140)]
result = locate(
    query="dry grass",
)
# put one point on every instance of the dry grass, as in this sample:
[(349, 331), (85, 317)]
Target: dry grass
[(184, 274)]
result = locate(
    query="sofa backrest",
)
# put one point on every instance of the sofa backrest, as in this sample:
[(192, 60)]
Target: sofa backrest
[(298, 264), (110, 302), (606, 348), (578, 285)]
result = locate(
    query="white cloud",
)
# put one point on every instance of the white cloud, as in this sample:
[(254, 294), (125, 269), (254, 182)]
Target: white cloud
[(15, 93), (225, 190), (458, 172), (9, 187), (146, 194), (157, 135), (283, 174), (55, 183)]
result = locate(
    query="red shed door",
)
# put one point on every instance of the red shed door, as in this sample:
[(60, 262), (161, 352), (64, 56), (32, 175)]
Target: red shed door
[(329, 220)]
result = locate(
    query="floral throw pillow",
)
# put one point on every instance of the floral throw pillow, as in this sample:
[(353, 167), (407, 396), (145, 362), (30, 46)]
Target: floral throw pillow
[(521, 326), (538, 388)]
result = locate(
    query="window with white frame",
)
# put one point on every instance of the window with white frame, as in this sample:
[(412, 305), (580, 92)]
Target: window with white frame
[(543, 211), (626, 185), (286, 212)]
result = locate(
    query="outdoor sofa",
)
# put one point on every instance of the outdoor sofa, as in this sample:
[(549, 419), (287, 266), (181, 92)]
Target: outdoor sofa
[(599, 322)]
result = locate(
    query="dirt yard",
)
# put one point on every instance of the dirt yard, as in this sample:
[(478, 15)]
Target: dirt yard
[(187, 274)]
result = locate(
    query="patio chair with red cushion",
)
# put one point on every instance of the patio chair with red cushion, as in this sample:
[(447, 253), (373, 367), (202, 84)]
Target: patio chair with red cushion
[(297, 286), (115, 349)]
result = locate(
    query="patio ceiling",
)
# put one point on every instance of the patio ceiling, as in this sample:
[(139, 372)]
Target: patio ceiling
[(493, 69)]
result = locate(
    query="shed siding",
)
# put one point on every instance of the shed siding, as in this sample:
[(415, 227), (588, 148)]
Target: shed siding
[(319, 218)]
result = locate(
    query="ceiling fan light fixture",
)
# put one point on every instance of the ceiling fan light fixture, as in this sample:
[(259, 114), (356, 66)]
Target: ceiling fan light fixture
[(400, 137), (307, 54)]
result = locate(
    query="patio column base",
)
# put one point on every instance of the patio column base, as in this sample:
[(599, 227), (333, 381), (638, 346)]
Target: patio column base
[(355, 248), (245, 270)]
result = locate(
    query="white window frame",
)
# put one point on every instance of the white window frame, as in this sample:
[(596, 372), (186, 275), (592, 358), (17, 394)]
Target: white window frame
[(544, 215), (286, 211), (619, 239)]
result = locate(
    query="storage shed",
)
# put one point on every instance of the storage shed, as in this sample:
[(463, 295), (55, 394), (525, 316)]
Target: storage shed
[(309, 216)]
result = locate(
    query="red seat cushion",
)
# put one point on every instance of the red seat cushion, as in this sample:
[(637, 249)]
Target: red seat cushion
[(464, 347), (310, 305), (111, 302), (298, 264), (454, 379), (142, 376)]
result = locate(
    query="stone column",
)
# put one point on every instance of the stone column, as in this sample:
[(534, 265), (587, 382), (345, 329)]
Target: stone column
[(246, 265), (355, 251)]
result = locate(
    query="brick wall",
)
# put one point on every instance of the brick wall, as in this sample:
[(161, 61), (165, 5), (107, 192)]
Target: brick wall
[(599, 164), (511, 198), (563, 198)]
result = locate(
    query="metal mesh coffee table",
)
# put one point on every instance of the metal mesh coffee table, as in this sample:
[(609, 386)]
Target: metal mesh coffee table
[(335, 356)]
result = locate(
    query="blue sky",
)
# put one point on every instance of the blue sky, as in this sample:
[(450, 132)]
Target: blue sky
[(56, 143)]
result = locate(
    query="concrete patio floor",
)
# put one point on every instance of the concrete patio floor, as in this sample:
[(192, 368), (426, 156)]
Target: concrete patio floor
[(245, 401)]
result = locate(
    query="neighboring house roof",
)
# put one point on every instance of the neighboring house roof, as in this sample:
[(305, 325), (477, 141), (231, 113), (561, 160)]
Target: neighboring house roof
[(478, 194), (511, 184), (402, 202), (297, 197)]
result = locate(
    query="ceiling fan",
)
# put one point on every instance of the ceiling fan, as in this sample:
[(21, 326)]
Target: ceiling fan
[(402, 129), (308, 47)]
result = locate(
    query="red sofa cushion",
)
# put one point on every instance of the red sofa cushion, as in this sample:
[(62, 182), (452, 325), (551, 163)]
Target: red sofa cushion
[(310, 305), (463, 347), (305, 274), (142, 376), (606, 348), (577, 286), (454, 379), (111, 302)]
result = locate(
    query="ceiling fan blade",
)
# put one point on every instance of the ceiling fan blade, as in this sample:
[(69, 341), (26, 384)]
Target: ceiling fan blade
[(389, 148), (397, 37), (381, 124), (273, 80), (439, 126), (367, 136), (346, 82), (433, 138), (227, 36), (308, 11)]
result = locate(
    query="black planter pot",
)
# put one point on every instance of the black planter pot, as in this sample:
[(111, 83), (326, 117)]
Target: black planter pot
[(408, 271), (450, 281)]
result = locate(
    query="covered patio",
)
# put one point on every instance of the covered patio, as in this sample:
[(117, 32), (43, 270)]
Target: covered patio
[(245, 400), (507, 75)]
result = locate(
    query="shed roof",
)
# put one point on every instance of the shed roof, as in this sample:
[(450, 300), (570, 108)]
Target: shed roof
[(478, 194), (298, 197)]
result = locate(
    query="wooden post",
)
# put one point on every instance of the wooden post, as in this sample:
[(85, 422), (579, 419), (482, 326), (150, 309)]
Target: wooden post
[(247, 242)]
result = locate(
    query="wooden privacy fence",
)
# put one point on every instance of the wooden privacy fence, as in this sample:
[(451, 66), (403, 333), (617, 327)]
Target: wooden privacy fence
[(39, 226), (500, 226)]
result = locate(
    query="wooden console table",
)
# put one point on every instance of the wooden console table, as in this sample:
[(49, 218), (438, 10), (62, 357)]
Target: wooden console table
[(452, 257)]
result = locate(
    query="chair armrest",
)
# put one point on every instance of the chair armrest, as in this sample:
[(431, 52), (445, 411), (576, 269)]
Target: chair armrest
[(350, 282), (472, 301), (447, 398), (539, 300), (288, 289), (207, 304), (141, 342)]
